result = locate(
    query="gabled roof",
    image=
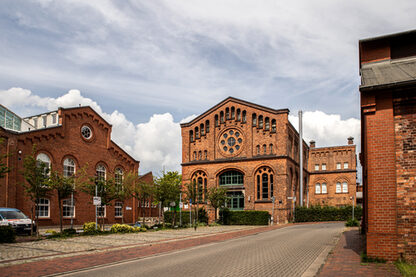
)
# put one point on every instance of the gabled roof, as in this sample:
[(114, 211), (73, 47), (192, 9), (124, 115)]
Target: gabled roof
[(237, 101)]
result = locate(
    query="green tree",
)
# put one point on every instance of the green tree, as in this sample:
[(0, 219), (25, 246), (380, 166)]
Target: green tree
[(168, 189), (3, 164), (191, 191), (64, 187), (216, 197), (36, 174), (122, 194)]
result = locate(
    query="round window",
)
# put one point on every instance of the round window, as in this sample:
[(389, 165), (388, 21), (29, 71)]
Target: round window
[(231, 142), (86, 132)]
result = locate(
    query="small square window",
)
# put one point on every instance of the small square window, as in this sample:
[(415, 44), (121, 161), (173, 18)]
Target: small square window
[(338, 165), (316, 167), (345, 165), (323, 166)]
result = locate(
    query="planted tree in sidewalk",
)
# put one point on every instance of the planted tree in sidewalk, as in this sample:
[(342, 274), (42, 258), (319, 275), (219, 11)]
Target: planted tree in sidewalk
[(217, 197), (3, 164), (192, 194), (36, 174), (168, 189), (64, 187)]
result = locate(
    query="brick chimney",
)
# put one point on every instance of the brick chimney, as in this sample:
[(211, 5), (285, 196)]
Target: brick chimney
[(350, 140), (312, 144)]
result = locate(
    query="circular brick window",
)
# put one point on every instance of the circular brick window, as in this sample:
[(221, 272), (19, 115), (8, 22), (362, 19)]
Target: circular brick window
[(230, 142), (86, 132)]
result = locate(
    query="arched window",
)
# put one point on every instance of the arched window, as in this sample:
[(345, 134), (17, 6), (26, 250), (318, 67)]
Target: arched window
[(244, 117), (216, 121), (200, 155), (271, 148), (264, 149), (222, 117), (42, 158), (118, 177), (207, 126), (264, 178), (273, 125), (202, 129), (344, 187), (69, 167), (338, 188), (267, 124), (254, 119), (232, 112), (324, 188), (260, 121), (238, 115), (196, 133), (194, 155), (318, 188), (101, 172), (258, 149), (199, 179), (191, 135), (227, 113), (205, 154)]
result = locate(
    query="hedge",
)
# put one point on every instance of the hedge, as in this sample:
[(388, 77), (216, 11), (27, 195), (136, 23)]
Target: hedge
[(228, 217), (7, 234), (202, 216), (326, 213)]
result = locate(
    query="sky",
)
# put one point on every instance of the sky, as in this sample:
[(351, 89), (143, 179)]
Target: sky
[(147, 66)]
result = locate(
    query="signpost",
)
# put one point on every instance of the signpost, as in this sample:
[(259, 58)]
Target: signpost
[(273, 200), (97, 201)]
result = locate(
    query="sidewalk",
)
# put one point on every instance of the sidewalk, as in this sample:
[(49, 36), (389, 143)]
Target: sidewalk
[(345, 260)]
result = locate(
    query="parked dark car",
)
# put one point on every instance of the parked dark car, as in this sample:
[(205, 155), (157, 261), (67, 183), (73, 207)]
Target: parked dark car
[(17, 220)]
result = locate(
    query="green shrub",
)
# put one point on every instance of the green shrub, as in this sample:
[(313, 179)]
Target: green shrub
[(185, 217), (143, 229), (90, 228), (202, 216), (7, 234), (228, 217), (351, 222), (69, 232), (326, 213)]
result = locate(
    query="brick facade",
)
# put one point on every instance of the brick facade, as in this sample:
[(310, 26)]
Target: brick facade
[(388, 120), (260, 145), (59, 142)]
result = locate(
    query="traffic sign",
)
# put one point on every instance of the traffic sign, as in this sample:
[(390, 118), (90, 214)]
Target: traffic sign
[(96, 200)]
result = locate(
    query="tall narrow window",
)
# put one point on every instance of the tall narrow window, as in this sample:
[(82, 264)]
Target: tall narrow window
[(68, 210), (264, 149), (196, 133), (54, 118), (35, 123), (207, 126), (194, 155), (227, 113), (316, 167), (216, 121), (202, 129), (338, 165), (191, 135), (345, 165), (205, 154), (271, 185), (44, 120), (267, 124), (101, 172), (324, 188), (118, 209), (222, 117), (317, 188), (344, 187), (338, 188), (260, 121), (44, 159), (258, 149), (258, 187), (271, 148), (323, 166), (69, 167), (273, 125), (254, 119), (200, 155), (118, 179), (244, 120), (238, 115), (232, 113), (205, 189), (265, 186)]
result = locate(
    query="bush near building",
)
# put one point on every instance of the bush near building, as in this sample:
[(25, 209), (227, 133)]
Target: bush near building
[(228, 217), (326, 213), (7, 234), (202, 216)]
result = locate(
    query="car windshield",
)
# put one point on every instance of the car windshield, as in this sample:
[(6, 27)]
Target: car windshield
[(12, 215)]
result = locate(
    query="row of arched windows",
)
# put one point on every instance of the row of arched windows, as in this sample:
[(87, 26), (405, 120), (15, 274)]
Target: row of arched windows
[(263, 150), (198, 155), (260, 124), (199, 131), (230, 114), (340, 187)]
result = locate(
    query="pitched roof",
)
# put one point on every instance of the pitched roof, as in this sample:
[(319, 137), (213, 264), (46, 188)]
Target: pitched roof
[(238, 101)]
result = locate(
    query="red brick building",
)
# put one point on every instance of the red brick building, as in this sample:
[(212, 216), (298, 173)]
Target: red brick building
[(253, 151), (66, 140), (388, 122)]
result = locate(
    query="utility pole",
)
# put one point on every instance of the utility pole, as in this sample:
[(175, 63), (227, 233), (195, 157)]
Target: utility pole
[(300, 160)]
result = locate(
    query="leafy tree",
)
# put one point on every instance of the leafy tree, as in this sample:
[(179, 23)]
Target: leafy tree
[(192, 194), (64, 187), (3, 165), (216, 197), (168, 189), (36, 174), (122, 194)]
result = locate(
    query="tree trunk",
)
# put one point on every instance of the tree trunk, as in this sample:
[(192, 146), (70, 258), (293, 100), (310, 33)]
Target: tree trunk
[(215, 216), (143, 214), (31, 217), (60, 212), (37, 217)]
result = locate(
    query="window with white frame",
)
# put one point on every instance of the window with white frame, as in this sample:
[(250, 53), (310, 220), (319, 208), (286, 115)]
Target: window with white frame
[(100, 211), (69, 167), (118, 209), (101, 172), (118, 179), (317, 188), (68, 210), (338, 188), (43, 208), (324, 188), (323, 166), (316, 167), (54, 121), (344, 187), (338, 165), (345, 165), (43, 158)]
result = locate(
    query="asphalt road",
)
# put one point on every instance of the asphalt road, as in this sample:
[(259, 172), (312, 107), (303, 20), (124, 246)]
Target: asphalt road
[(291, 251)]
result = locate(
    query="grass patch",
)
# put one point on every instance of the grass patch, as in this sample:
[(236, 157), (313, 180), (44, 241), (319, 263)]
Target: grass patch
[(406, 269)]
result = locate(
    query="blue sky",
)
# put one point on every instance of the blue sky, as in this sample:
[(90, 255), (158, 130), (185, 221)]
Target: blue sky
[(142, 63)]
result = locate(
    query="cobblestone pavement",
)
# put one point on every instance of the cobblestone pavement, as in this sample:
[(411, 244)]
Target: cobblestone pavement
[(345, 260), (287, 251), (15, 253)]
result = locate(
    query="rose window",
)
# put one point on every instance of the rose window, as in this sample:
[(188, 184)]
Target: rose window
[(86, 132), (231, 141)]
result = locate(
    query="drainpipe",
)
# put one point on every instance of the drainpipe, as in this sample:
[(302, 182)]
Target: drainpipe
[(300, 160)]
